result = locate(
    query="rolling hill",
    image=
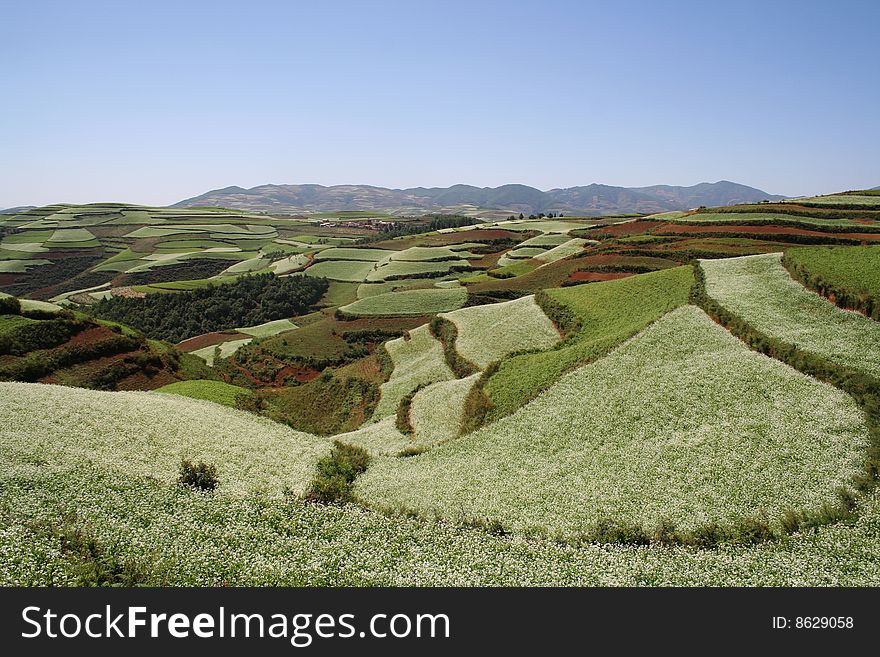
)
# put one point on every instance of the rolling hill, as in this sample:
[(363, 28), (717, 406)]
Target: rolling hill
[(587, 200)]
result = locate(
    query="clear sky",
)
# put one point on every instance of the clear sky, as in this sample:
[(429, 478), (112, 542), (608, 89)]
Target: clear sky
[(152, 102)]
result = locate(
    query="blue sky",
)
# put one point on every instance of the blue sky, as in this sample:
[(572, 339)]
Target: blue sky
[(153, 102)]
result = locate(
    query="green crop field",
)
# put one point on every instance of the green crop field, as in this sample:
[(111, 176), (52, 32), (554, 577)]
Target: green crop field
[(684, 424), (526, 252), (564, 250), (341, 270), (418, 360), (487, 333), (213, 391), (408, 302), (864, 199), (774, 218), (428, 253), (403, 269), (269, 328), (850, 275), (608, 313), (760, 291), (371, 255)]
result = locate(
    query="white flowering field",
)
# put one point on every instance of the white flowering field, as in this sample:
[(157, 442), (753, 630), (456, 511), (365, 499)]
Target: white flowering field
[(682, 423), (187, 538), (378, 438), (140, 434), (408, 302), (490, 332), (436, 411), (418, 361), (760, 291)]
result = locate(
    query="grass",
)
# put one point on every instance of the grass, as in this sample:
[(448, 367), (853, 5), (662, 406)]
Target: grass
[(213, 391), (848, 275), (138, 434), (684, 425), (269, 328), (341, 270), (761, 292), (20, 266), (418, 361), (865, 199), (607, 314), (408, 302), (489, 332)]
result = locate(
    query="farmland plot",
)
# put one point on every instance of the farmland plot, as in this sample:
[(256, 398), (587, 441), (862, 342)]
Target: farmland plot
[(569, 248), (683, 423), (608, 314), (353, 271), (145, 434), (342, 253), (408, 302), (437, 411), (180, 538), (490, 332), (418, 361), (403, 269), (760, 291)]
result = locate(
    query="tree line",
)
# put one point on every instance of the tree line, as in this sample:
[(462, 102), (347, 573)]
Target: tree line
[(247, 301)]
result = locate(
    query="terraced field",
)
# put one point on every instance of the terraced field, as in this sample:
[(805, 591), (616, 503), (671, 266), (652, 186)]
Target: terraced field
[(525, 424), (606, 314), (849, 276), (408, 302), (418, 360), (760, 291), (487, 333), (683, 424), (144, 434)]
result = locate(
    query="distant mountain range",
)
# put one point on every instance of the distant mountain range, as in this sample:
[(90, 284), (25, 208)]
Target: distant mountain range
[(588, 200)]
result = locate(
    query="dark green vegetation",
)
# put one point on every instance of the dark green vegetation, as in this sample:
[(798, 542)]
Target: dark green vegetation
[(245, 302), (201, 475), (850, 277), (71, 349), (336, 474)]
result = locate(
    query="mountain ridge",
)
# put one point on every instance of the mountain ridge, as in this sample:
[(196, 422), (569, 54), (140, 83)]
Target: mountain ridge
[(588, 200)]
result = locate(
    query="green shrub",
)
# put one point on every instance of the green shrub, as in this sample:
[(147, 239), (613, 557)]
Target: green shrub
[(202, 476), (336, 474)]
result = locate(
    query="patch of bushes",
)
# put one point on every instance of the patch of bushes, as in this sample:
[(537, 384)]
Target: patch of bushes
[(446, 332), (201, 475), (337, 471)]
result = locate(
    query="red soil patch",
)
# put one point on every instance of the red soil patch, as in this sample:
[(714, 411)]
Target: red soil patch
[(7, 279), (617, 230), (677, 229), (301, 373), (89, 336), (209, 340), (596, 276)]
